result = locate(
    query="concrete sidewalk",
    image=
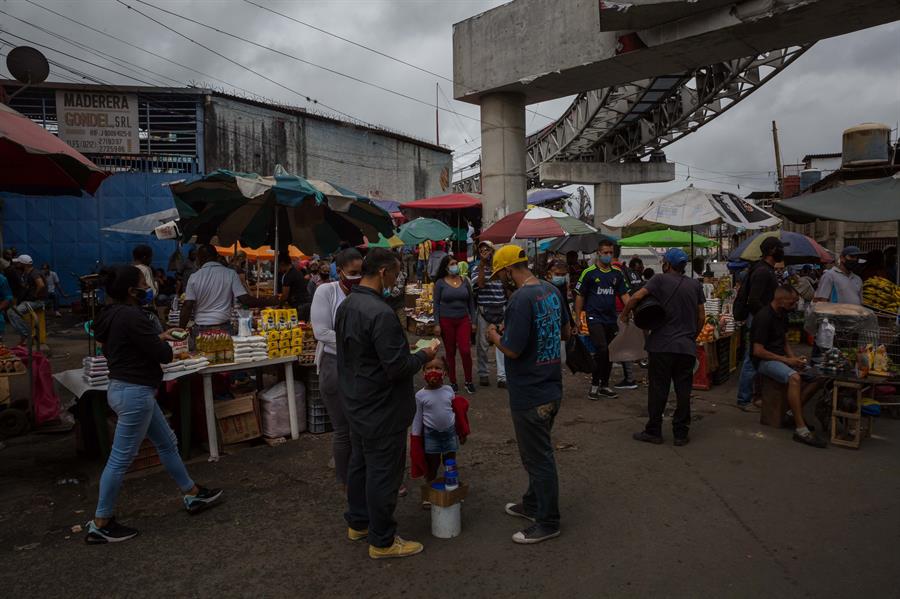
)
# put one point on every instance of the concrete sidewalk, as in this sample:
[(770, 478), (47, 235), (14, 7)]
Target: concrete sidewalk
[(743, 511)]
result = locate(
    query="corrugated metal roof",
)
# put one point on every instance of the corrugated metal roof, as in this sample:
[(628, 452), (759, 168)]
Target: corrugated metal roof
[(817, 156)]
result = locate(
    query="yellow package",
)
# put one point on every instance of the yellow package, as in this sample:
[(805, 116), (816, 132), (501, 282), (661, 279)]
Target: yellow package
[(286, 353), (291, 317), (284, 344), (282, 319), (274, 353), (268, 317), (297, 342), (297, 334)]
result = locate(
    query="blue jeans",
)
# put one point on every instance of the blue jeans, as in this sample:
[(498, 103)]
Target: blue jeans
[(748, 372), (777, 371), (139, 417), (533, 427)]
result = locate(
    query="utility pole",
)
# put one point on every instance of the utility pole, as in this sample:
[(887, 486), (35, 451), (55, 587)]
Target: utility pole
[(778, 172), (437, 115)]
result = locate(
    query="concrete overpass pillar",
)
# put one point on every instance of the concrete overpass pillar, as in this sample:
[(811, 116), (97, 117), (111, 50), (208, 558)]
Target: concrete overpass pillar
[(503, 181), (607, 203)]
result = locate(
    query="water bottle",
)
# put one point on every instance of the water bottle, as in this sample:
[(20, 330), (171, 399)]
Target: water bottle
[(451, 477), (825, 335)]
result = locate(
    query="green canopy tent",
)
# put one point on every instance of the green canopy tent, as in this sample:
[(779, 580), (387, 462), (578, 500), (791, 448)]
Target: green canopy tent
[(876, 201), (667, 238), (423, 229)]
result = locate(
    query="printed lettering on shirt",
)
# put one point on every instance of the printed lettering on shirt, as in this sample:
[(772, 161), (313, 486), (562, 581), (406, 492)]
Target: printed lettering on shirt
[(547, 320)]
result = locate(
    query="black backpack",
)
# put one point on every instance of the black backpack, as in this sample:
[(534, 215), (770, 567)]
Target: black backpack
[(740, 310)]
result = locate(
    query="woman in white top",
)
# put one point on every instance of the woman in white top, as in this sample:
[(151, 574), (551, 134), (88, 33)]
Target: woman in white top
[(325, 303)]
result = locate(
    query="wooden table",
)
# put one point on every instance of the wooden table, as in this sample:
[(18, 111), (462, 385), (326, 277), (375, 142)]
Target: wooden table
[(860, 386)]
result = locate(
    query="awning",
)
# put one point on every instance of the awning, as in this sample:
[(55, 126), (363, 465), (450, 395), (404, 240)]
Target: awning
[(144, 225), (452, 201), (875, 201)]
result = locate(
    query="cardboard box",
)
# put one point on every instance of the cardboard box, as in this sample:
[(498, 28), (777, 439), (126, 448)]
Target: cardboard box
[(444, 498), (237, 419)]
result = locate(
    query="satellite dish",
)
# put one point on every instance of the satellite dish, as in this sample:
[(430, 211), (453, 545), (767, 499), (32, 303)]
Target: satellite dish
[(27, 65)]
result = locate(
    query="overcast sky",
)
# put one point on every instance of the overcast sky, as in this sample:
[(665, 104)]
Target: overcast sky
[(839, 83)]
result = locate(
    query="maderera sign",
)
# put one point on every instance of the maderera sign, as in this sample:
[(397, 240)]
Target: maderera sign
[(98, 123)]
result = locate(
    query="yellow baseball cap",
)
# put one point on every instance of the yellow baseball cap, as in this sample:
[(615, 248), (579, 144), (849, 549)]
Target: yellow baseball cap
[(507, 256)]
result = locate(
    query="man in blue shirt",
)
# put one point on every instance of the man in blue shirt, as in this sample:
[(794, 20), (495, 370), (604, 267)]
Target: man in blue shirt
[(596, 292), (533, 327)]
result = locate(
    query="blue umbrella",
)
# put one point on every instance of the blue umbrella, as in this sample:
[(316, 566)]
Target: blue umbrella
[(798, 248), (537, 197)]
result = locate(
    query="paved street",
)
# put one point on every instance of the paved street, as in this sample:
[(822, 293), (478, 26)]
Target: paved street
[(742, 511)]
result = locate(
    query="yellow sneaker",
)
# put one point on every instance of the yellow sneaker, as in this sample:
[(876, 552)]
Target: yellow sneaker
[(400, 548), (356, 535)]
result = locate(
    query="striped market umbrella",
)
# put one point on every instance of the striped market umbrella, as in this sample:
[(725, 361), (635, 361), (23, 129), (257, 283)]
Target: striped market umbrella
[(385, 242), (799, 249), (537, 223), (276, 211)]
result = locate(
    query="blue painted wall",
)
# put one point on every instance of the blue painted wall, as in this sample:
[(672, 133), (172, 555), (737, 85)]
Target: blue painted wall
[(66, 230)]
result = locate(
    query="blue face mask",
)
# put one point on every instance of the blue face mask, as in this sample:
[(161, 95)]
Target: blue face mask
[(453, 270), (144, 296), (559, 280), (606, 259)]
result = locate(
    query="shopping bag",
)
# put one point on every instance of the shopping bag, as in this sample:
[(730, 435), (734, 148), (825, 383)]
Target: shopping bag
[(578, 358), (628, 346)]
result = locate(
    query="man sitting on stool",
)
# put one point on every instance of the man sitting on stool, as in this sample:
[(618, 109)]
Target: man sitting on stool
[(772, 357)]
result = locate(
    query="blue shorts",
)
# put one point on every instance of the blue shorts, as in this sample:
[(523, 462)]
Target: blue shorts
[(440, 441), (775, 370)]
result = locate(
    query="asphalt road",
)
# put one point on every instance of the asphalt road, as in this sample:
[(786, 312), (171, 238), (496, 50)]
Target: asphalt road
[(743, 511)]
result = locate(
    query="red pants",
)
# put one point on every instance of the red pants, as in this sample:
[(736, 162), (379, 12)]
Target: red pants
[(457, 333)]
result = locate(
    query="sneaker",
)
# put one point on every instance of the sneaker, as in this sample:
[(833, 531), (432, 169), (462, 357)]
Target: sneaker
[(647, 438), (626, 384), (811, 440), (470, 388), (426, 505), (501, 384), (535, 534), (400, 548), (644, 363), (403, 491), (748, 407), (484, 381), (455, 387), (518, 510), (356, 535), (113, 532), (204, 499), (608, 393), (594, 393), (681, 441)]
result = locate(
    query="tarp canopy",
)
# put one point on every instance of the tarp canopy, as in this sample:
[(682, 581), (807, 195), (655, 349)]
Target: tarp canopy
[(451, 201), (874, 201), (539, 197), (144, 225)]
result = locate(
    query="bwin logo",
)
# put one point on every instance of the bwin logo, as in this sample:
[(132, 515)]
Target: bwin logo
[(605, 291)]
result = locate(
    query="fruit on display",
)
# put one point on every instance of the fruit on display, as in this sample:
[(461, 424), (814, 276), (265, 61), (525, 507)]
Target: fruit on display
[(881, 294), (9, 362), (707, 333)]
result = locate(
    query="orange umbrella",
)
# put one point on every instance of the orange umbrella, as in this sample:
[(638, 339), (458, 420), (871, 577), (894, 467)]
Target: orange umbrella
[(263, 253)]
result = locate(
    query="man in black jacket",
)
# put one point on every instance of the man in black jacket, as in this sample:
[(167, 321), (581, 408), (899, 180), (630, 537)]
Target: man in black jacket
[(761, 282), (376, 380)]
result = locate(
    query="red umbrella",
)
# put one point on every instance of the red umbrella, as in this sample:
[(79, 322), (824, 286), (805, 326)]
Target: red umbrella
[(537, 223), (34, 161)]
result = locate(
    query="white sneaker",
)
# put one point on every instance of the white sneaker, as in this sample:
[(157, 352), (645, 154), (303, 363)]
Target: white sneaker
[(594, 393)]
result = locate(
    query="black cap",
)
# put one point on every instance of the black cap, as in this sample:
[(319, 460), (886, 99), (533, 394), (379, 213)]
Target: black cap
[(770, 244)]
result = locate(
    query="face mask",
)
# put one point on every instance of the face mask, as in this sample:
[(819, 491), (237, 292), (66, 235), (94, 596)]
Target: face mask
[(434, 377), (605, 259), (559, 280), (453, 270), (778, 255), (348, 282), (144, 296), (385, 289)]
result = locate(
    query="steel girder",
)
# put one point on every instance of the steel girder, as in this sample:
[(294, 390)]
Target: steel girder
[(630, 121)]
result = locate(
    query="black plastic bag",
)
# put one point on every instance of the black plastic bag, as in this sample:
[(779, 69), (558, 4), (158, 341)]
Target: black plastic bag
[(578, 358)]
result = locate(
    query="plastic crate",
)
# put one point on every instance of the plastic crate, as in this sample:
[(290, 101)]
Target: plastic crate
[(317, 420)]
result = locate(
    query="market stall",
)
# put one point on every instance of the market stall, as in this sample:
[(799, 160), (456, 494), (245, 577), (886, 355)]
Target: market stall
[(271, 338)]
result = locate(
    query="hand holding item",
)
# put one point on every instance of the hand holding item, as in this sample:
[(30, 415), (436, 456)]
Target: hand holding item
[(492, 335), (174, 335)]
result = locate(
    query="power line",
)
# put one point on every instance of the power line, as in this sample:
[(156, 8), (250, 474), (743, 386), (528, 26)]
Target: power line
[(274, 50), (368, 48), (159, 76), (151, 53), (458, 119)]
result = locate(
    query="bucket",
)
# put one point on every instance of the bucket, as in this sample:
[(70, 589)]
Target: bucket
[(446, 522)]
